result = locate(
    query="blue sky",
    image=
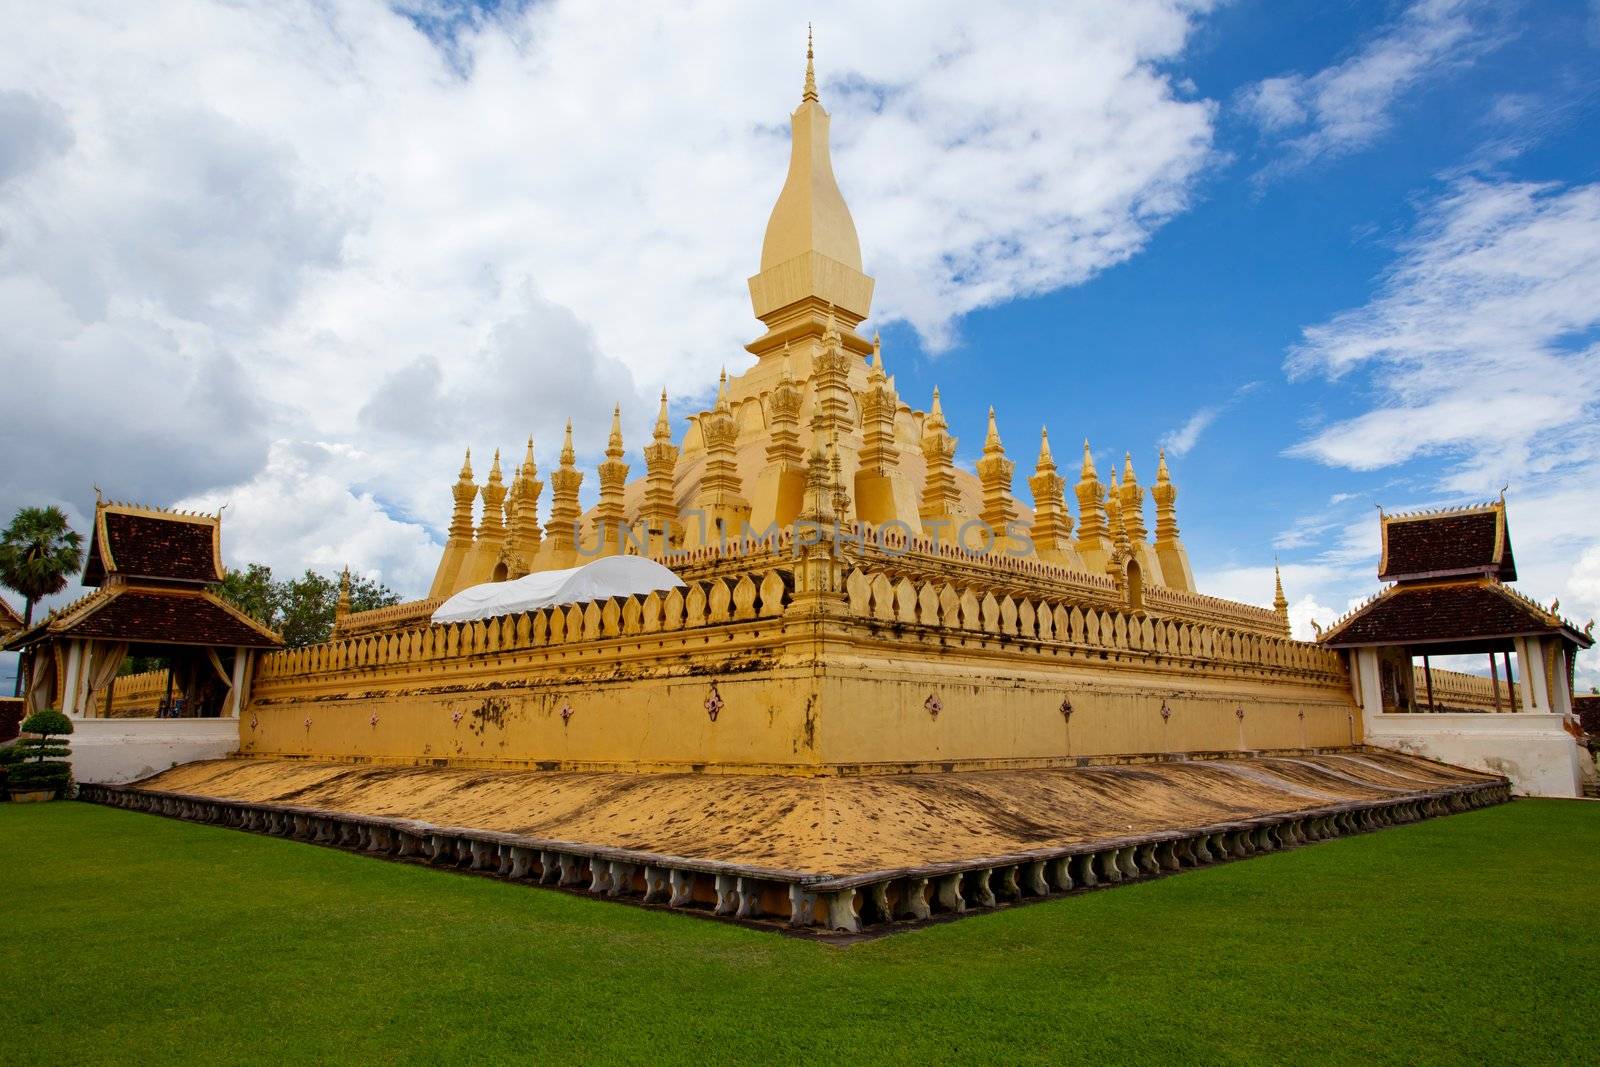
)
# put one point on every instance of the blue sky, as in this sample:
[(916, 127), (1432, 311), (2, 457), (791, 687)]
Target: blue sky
[(1334, 254)]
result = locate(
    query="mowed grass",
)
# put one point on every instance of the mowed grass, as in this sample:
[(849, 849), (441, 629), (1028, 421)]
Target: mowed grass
[(134, 939)]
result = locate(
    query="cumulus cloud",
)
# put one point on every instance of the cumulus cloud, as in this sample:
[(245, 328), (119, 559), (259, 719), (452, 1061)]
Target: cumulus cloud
[(1478, 353), (318, 227), (1345, 107), (1479, 341)]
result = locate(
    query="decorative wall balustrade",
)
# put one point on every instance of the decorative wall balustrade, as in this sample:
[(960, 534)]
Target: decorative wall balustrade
[(712, 602), (877, 596), (941, 604), (1459, 691)]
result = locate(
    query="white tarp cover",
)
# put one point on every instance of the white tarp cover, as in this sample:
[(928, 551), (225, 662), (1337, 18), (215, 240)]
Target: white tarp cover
[(599, 579)]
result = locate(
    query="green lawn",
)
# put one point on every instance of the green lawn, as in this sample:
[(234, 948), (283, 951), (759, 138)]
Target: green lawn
[(135, 939)]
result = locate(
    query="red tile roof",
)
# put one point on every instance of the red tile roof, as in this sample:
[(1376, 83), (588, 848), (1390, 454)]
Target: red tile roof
[(148, 543), (1436, 613), (1468, 541), (176, 617)]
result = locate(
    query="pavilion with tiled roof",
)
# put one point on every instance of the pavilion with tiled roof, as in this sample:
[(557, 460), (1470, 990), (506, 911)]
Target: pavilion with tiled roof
[(152, 571), (1450, 597)]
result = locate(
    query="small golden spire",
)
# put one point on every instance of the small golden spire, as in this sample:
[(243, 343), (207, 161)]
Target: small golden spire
[(663, 421), (466, 467), (1045, 458), (527, 457), (1162, 475), (810, 92), (494, 468), (568, 456), (1088, 461), (614, 442), (722, 390), (877, 355), (1280, 603), (991, 440), (937, 410), (1127, 468)]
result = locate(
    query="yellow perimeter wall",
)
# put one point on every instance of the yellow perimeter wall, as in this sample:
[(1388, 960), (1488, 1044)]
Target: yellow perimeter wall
[(885, 675)]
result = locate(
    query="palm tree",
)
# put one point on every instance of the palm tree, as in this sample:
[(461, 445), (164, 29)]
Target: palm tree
[(37, 553)]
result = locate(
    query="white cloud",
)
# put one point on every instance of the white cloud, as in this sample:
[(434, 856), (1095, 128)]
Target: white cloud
[(234, 234), (1345, 107), (1477, 340), (1181, 440), (1479, 353), (1185, 437)]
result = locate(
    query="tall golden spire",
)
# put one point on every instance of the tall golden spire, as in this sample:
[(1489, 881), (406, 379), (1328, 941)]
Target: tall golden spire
[(660, 513), (458, 542), (524, 541), (1132, 503), (610, 514), (464, 492), (492, 524), (811, 255), (1052, 522), (561, 530), (1174, 558), (994, 471), (1094, 542), (941, 499), (721, 500)]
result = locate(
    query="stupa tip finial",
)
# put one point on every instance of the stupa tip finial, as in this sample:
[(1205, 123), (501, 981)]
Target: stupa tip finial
[(992, 438), (466, 466), (1044, 447), (810, 91), (663, 420), (1162, 474), (1127, 467), (1088, 460)]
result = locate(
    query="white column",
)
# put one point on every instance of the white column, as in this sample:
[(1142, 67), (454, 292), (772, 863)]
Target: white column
[(1560, 691), (236, 697), (1535, 673), (69, 684), (1371, 693), (1524, 674)]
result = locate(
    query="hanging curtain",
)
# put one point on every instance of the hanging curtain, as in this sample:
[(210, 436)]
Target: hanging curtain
[(216, 665), (42, 683), (103, 668)]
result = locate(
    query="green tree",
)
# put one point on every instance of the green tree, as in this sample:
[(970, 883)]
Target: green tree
[(301, 609), (39, 551), (252, 591)]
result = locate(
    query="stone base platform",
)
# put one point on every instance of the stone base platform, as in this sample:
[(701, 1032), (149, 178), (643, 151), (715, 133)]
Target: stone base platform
[(827, 855)]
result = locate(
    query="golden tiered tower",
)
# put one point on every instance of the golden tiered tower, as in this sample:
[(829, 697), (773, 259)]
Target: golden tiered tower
[(744, 465)]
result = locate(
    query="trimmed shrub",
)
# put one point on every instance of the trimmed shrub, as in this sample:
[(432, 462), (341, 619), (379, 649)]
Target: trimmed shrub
[(40, 754)]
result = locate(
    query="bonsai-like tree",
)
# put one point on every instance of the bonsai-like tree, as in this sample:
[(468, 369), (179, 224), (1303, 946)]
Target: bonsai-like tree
[(38, 552), (39, 758)]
